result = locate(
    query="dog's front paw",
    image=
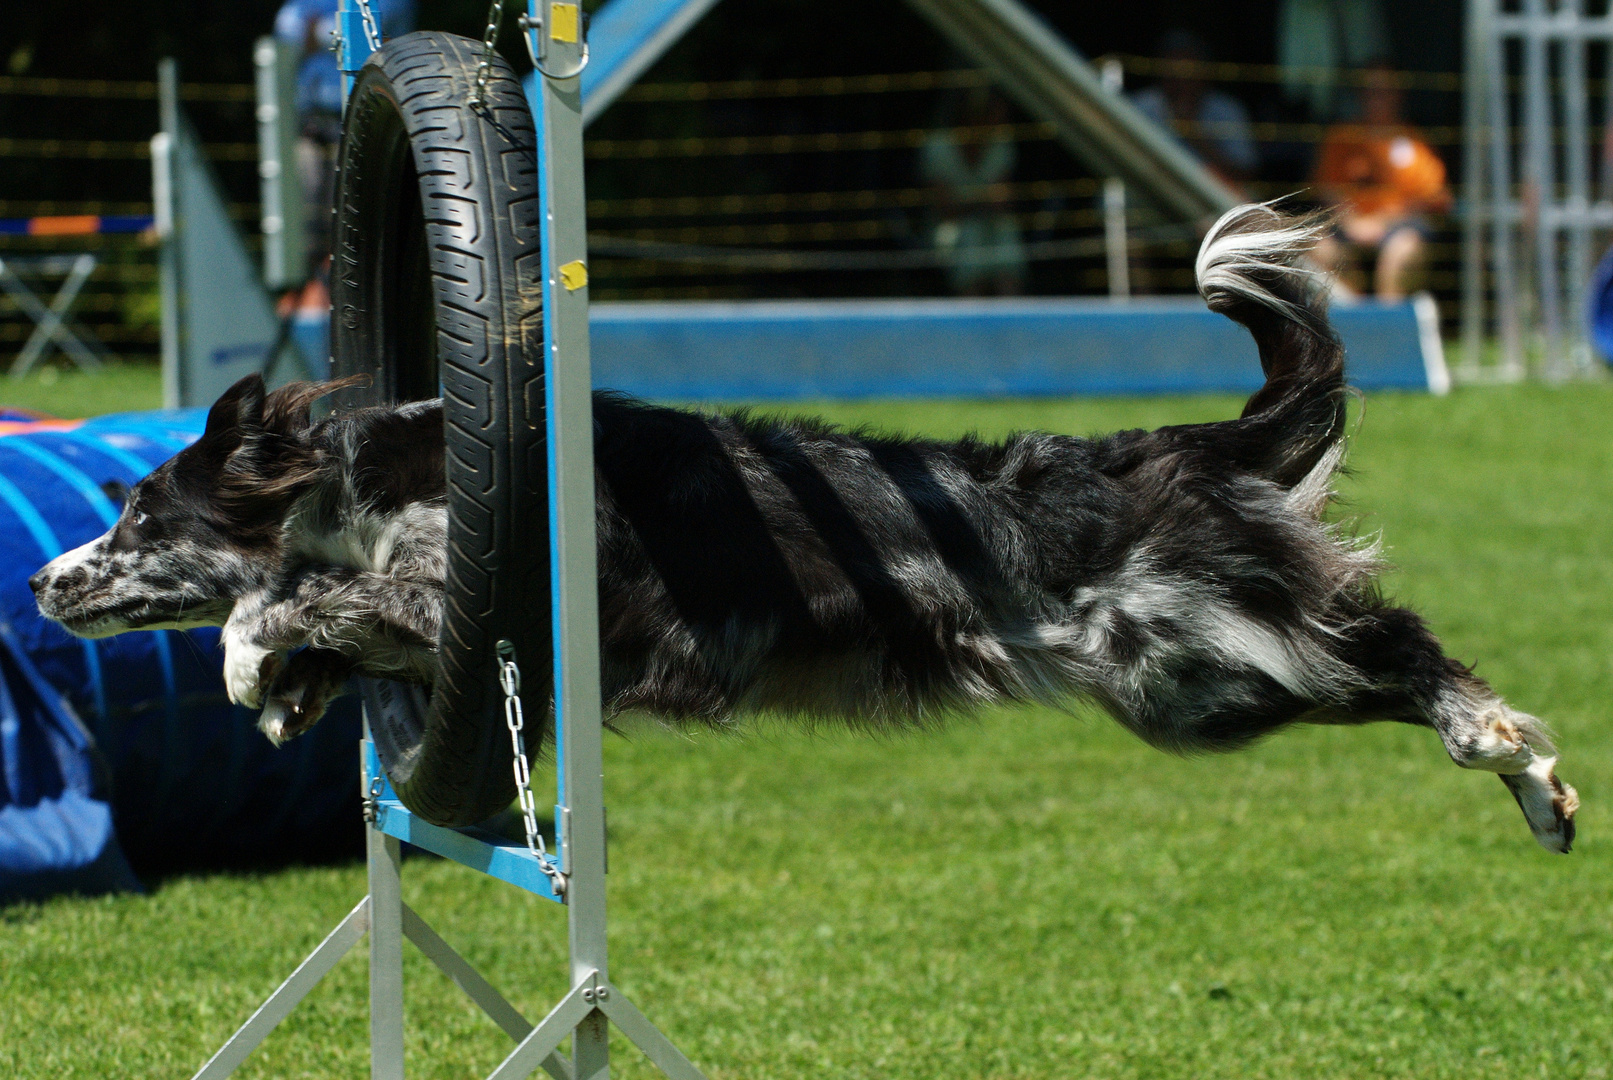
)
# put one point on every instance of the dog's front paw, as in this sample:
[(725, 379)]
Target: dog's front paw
[(249, 669), (299, 696)]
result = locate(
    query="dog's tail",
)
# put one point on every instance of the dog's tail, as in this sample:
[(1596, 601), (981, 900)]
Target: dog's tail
[(1252, 269)]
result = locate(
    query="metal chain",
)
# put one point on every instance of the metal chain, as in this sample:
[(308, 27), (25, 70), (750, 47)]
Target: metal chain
[(371, 31), (484, 70), (372, 799), (509, 680)]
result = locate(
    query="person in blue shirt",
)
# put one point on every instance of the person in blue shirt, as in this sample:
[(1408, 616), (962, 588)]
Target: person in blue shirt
[(309, 27)]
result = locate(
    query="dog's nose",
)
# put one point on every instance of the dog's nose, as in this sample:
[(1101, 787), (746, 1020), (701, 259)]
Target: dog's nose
[(37, 582)]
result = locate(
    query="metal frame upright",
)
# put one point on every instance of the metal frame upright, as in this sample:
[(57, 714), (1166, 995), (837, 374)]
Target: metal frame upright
[(1526, 74), (557, 38)]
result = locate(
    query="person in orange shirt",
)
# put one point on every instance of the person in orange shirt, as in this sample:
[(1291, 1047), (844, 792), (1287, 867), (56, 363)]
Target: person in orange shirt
[(1383, 181)]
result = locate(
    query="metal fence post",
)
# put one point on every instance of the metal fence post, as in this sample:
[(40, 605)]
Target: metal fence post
[(386, 956), (1474, 202), (1577, 173), (1502, 206), (1540, 176), (1115, 241), (164, 199), (280, 187)]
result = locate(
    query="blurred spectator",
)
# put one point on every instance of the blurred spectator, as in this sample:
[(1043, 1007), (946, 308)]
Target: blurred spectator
[(1316, 39), (1213, 124), (309, 25), (975, 231), (1383, 181)]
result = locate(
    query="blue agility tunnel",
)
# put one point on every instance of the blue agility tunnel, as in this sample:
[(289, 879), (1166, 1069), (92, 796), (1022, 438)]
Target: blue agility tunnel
[(128, 746)]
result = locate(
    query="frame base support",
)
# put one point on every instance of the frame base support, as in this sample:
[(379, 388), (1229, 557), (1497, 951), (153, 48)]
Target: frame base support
[(590, 1000)]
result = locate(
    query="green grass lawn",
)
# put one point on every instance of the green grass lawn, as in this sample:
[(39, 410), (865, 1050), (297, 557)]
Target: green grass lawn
[(69, 392), (1027, 894)]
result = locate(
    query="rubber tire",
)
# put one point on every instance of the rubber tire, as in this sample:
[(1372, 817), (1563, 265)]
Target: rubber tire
[(436, 288)]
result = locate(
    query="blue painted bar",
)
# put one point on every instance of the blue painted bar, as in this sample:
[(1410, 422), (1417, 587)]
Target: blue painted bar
[(75, 225), (353, 44), (824, 350), (800, 350), (493, 855)]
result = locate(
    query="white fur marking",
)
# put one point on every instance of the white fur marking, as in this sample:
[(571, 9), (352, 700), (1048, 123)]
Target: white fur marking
[(243, 668)]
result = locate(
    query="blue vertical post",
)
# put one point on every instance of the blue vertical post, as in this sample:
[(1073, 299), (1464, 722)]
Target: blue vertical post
[(352, 43)]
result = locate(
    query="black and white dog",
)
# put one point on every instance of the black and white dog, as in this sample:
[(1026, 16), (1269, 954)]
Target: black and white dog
[(1184, 578)]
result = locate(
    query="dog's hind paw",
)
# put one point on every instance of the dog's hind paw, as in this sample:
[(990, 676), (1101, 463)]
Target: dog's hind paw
[(1502, 741), (1548, 804)]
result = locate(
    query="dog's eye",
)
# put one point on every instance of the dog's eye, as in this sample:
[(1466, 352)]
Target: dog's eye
[(134, 529)]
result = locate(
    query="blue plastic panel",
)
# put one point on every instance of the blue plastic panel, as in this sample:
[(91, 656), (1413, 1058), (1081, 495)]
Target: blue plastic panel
[(969, 348)]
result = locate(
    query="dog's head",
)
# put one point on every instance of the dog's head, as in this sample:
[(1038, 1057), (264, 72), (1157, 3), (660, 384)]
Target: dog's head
[(203, 529)]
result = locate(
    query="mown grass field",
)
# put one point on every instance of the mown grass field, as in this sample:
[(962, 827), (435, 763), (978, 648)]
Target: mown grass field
[(1027, 894)]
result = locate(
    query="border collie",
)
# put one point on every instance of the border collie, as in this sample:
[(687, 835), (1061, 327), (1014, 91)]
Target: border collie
[(1186, 578)]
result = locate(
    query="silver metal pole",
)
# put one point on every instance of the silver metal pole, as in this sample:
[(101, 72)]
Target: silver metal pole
[(271, 166), (279, 186), (164, 198), (386, 956), (1115, 242), (1576, 165), (1503, 208), (1540, 175), (569, 395), (1474, 75)]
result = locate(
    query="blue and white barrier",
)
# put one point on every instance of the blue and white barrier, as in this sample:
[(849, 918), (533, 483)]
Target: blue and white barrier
[(760, 350)]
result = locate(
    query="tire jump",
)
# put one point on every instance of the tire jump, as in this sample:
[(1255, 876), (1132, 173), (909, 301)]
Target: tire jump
[(436, 288)]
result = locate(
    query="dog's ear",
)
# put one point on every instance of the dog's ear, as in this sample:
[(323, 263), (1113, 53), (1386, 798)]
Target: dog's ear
[(286, 410), (238, 412)]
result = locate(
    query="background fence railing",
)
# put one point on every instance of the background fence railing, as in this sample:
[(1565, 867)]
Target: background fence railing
[(753, 188)]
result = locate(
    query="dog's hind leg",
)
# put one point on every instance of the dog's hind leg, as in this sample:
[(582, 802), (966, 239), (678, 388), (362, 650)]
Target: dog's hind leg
[(1407, 676)]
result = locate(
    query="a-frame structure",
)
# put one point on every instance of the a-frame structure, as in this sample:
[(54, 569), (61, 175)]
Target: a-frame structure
[(1031, 63)]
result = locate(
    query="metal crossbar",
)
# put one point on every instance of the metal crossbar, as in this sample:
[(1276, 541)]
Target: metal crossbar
[(50, 321)]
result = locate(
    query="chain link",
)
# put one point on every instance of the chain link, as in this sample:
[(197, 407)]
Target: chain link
[(371, 31), (509, 680), (372, 799), (484, 70)]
